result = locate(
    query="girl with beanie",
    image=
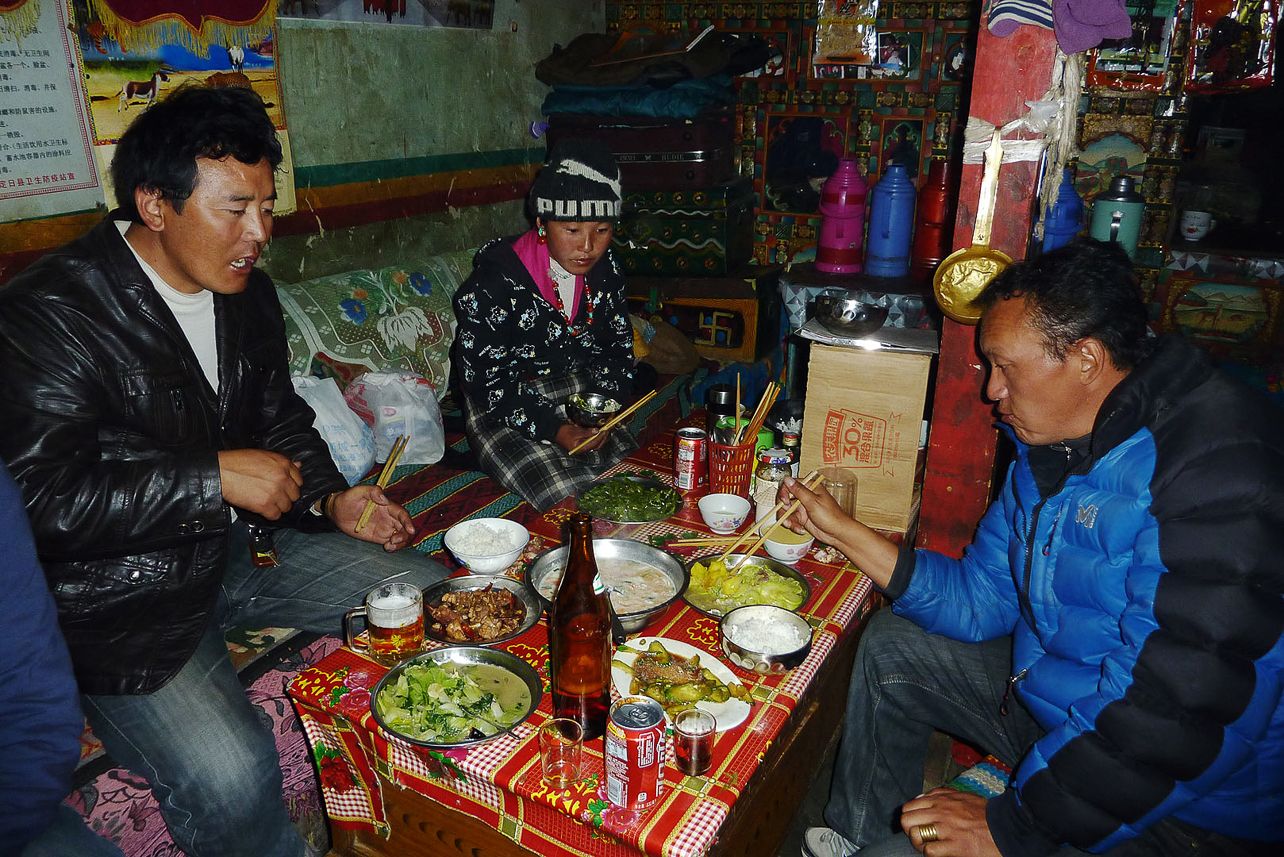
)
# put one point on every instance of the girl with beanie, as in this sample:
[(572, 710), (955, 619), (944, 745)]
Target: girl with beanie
[(543, 318)]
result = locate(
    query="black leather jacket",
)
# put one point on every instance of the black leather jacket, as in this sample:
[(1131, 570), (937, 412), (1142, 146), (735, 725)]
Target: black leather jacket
[(112, 430)]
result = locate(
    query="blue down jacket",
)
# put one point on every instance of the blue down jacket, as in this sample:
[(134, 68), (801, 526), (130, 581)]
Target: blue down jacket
[(1145, 598)]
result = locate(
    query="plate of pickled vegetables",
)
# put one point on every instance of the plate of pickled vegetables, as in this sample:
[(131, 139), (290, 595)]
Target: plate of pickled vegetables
[(719, 586), (679, 676)]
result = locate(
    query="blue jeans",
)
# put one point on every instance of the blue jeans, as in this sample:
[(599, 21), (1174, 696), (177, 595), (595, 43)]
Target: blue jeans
[(908, 683), (209, 756)]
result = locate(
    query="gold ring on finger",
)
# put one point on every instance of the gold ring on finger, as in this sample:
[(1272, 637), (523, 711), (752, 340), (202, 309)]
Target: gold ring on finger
[(927, 833)]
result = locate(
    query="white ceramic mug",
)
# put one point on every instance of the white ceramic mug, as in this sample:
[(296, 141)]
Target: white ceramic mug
[(1196, 224)]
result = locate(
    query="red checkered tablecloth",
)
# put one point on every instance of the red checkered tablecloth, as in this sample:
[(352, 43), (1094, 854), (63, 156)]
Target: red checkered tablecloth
[(499, 782)]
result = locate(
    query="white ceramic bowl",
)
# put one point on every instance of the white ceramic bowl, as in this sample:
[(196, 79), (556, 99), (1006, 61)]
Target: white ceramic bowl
[(784, 546), (724, 513), (488, 563)]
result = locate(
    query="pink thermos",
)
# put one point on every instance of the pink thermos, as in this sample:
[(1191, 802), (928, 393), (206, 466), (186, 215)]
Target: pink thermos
[(842, 229)]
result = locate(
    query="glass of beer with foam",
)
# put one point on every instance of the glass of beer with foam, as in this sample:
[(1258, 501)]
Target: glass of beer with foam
[(394, 620)]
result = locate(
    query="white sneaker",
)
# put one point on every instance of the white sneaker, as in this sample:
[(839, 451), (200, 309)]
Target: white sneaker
[(826, 842)]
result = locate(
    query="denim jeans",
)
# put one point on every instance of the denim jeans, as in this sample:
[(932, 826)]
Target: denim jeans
[(907, 683), (205, 748)]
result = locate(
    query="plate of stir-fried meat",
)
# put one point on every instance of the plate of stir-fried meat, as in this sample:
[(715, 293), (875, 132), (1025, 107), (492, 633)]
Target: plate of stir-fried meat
[(678, 676), (478, 609)]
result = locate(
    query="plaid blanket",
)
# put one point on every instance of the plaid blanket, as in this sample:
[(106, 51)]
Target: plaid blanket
[(543, 473)]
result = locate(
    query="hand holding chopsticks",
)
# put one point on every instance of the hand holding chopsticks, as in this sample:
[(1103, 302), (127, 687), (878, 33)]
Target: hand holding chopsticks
[(614, 421), (810, 481), (384, 476)]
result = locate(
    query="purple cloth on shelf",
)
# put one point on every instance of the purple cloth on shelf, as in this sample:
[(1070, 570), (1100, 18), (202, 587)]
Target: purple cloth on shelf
[(1082, 24)]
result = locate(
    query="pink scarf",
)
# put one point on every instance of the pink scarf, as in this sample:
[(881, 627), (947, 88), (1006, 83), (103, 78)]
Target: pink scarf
[(534, 256)]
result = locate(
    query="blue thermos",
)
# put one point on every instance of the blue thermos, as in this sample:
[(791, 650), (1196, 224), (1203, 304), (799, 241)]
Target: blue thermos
[(891, 224), (1065, 218)]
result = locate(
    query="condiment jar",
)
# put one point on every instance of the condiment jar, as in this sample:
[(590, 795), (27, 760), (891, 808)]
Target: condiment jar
[(773, 467)]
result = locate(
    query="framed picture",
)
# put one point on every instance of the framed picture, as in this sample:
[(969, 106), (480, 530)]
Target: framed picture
[(900, 55), (957, 56), (902, 143), (1140, 61)]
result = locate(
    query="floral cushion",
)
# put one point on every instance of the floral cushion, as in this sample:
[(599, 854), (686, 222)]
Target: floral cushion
[(378, 320)]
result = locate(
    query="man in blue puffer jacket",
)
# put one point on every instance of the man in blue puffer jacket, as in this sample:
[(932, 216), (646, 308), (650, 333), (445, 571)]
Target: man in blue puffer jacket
[(1113, 632)]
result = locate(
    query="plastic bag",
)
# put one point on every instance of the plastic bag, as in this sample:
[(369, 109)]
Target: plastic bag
[(352, 442), (395, 404)]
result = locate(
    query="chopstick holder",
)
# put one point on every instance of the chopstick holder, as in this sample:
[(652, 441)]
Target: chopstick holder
[(614, 421), (385, 475)]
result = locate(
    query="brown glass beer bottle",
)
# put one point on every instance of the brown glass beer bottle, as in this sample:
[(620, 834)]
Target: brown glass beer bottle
[(579, 636)]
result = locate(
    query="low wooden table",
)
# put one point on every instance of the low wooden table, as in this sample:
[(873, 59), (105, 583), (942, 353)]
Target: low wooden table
[(385, 797)]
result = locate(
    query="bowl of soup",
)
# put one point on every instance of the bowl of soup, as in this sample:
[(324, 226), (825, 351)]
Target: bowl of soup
[(784, 545), (642, 581)]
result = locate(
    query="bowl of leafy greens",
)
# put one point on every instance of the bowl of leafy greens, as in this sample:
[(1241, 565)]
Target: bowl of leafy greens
[(455, 697), (630, 500)]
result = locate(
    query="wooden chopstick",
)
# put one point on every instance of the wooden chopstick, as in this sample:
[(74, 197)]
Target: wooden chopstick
[(760, 413), (778, 522), (615, 420), (774, 509), (385, 475), (736, 434), (697, 543)]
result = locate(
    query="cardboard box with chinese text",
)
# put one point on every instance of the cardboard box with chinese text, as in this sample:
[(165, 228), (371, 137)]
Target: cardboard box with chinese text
[(864, 411)]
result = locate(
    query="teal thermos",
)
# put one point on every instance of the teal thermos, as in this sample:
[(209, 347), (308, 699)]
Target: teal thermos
[(1116, 214), (891, 224)]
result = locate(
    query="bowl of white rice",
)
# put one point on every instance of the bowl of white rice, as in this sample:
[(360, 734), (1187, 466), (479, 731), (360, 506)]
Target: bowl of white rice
[(765, 639), (487, 545)]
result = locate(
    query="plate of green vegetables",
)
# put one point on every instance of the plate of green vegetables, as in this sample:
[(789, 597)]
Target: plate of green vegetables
[(630, 500)]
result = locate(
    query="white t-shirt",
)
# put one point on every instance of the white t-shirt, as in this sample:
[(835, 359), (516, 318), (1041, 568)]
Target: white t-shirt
[(194, 313), (565, 282)]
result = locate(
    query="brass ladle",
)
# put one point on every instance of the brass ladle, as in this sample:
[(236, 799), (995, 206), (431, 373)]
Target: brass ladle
[(965, 272)]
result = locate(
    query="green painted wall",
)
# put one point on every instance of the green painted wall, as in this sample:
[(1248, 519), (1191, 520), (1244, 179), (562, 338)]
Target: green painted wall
[(360, 93)]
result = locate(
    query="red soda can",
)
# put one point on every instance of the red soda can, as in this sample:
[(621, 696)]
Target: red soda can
[(690, 459), (635, 752)]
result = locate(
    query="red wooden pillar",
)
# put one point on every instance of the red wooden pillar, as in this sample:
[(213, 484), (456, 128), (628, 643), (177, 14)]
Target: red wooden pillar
[(960, 457)]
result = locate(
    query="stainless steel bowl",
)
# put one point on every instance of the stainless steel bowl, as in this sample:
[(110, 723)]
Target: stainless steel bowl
[(701, 601), (591, 410), (750, 656), (463, 655), (472, 583), (844, 314), (604, 550)]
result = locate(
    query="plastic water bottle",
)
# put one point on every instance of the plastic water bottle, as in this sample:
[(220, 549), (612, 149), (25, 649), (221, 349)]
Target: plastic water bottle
[(1065, 218), (891, 224), (842, 231)]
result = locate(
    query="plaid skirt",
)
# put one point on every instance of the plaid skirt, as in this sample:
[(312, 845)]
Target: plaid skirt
[(541, 472)]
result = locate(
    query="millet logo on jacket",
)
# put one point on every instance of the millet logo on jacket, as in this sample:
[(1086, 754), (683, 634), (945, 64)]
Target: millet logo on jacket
[(1087, 516)]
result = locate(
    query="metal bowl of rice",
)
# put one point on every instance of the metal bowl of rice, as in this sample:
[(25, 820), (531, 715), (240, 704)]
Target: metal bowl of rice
[(487, 545), (765, 639)]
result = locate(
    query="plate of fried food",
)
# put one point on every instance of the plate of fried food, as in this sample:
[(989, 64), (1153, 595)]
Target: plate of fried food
[(479, 609), (679, 676)]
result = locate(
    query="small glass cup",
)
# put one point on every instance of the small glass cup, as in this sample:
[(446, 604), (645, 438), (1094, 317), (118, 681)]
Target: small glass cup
[(693, 733), (560, 743), (840, 483)]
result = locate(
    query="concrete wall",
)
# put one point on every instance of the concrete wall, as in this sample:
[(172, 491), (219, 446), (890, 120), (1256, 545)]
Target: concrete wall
[(401, 117)]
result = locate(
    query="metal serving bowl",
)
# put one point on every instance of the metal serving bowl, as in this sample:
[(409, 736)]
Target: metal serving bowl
[(473, 583), (604, 550), (463, 655), (748, 655), (844, 314), (700, 600), (591, 410)]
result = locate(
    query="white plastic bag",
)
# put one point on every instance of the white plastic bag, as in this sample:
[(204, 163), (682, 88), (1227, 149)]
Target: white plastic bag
[(352, 442), (395, 404)]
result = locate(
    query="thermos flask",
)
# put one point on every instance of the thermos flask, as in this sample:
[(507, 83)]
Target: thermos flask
[(891, 224), (842, 231), (934, 225), (1065, 218), (1116, 214)]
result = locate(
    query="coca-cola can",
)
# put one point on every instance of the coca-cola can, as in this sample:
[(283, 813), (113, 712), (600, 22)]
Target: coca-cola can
[(690, 459), (635, 752)]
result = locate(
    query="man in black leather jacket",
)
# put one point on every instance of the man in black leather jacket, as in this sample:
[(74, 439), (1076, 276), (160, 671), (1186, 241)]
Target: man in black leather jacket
[(147, 413)]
